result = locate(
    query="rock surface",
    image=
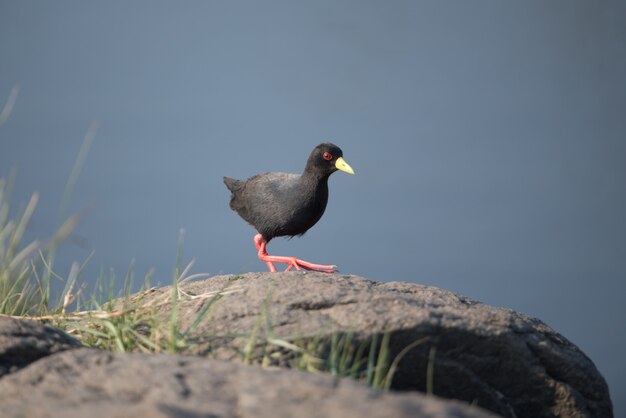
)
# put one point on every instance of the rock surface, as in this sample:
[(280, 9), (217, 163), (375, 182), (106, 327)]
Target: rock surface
[(504, 361), (24, 341), (90, 383)]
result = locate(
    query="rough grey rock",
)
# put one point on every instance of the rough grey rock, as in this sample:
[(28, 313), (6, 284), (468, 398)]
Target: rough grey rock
[(23, 341), (507, 362), (91, 383)]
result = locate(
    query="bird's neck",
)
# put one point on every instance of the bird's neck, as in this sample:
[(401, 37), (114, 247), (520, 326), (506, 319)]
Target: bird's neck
[(317, 185), (314, 176)]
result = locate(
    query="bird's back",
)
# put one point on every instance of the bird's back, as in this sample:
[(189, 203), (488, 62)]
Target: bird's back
[(278, 204)]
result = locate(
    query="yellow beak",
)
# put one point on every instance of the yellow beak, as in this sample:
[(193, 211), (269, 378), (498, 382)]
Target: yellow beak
[(342, 165)]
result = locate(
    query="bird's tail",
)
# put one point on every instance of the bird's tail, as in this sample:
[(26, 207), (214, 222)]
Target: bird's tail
[(232, 184)]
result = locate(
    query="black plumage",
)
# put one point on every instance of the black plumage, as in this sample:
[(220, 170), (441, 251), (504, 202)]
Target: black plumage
[(286, 204)]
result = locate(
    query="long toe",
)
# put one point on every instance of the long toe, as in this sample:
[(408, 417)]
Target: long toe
[(293, 263), (316, 267)]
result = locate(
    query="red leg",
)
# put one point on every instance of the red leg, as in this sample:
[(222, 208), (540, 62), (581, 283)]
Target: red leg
[(292, 262), (260, 246)]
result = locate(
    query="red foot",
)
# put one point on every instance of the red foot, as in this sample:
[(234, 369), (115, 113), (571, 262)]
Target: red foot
[(292, 262)]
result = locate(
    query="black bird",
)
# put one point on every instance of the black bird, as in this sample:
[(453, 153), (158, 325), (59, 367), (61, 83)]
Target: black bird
[(285, 204)]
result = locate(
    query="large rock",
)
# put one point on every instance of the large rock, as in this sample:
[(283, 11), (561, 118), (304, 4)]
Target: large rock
[(502, 360), (24, 341), (91, 383)]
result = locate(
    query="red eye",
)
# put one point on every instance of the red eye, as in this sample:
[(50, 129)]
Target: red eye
[(328, 156)]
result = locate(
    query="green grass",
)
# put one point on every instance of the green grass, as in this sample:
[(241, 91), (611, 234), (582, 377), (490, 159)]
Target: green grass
[(339, 353), (26, 268)]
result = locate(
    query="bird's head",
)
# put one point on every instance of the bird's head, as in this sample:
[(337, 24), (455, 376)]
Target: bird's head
[(327, 158)]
